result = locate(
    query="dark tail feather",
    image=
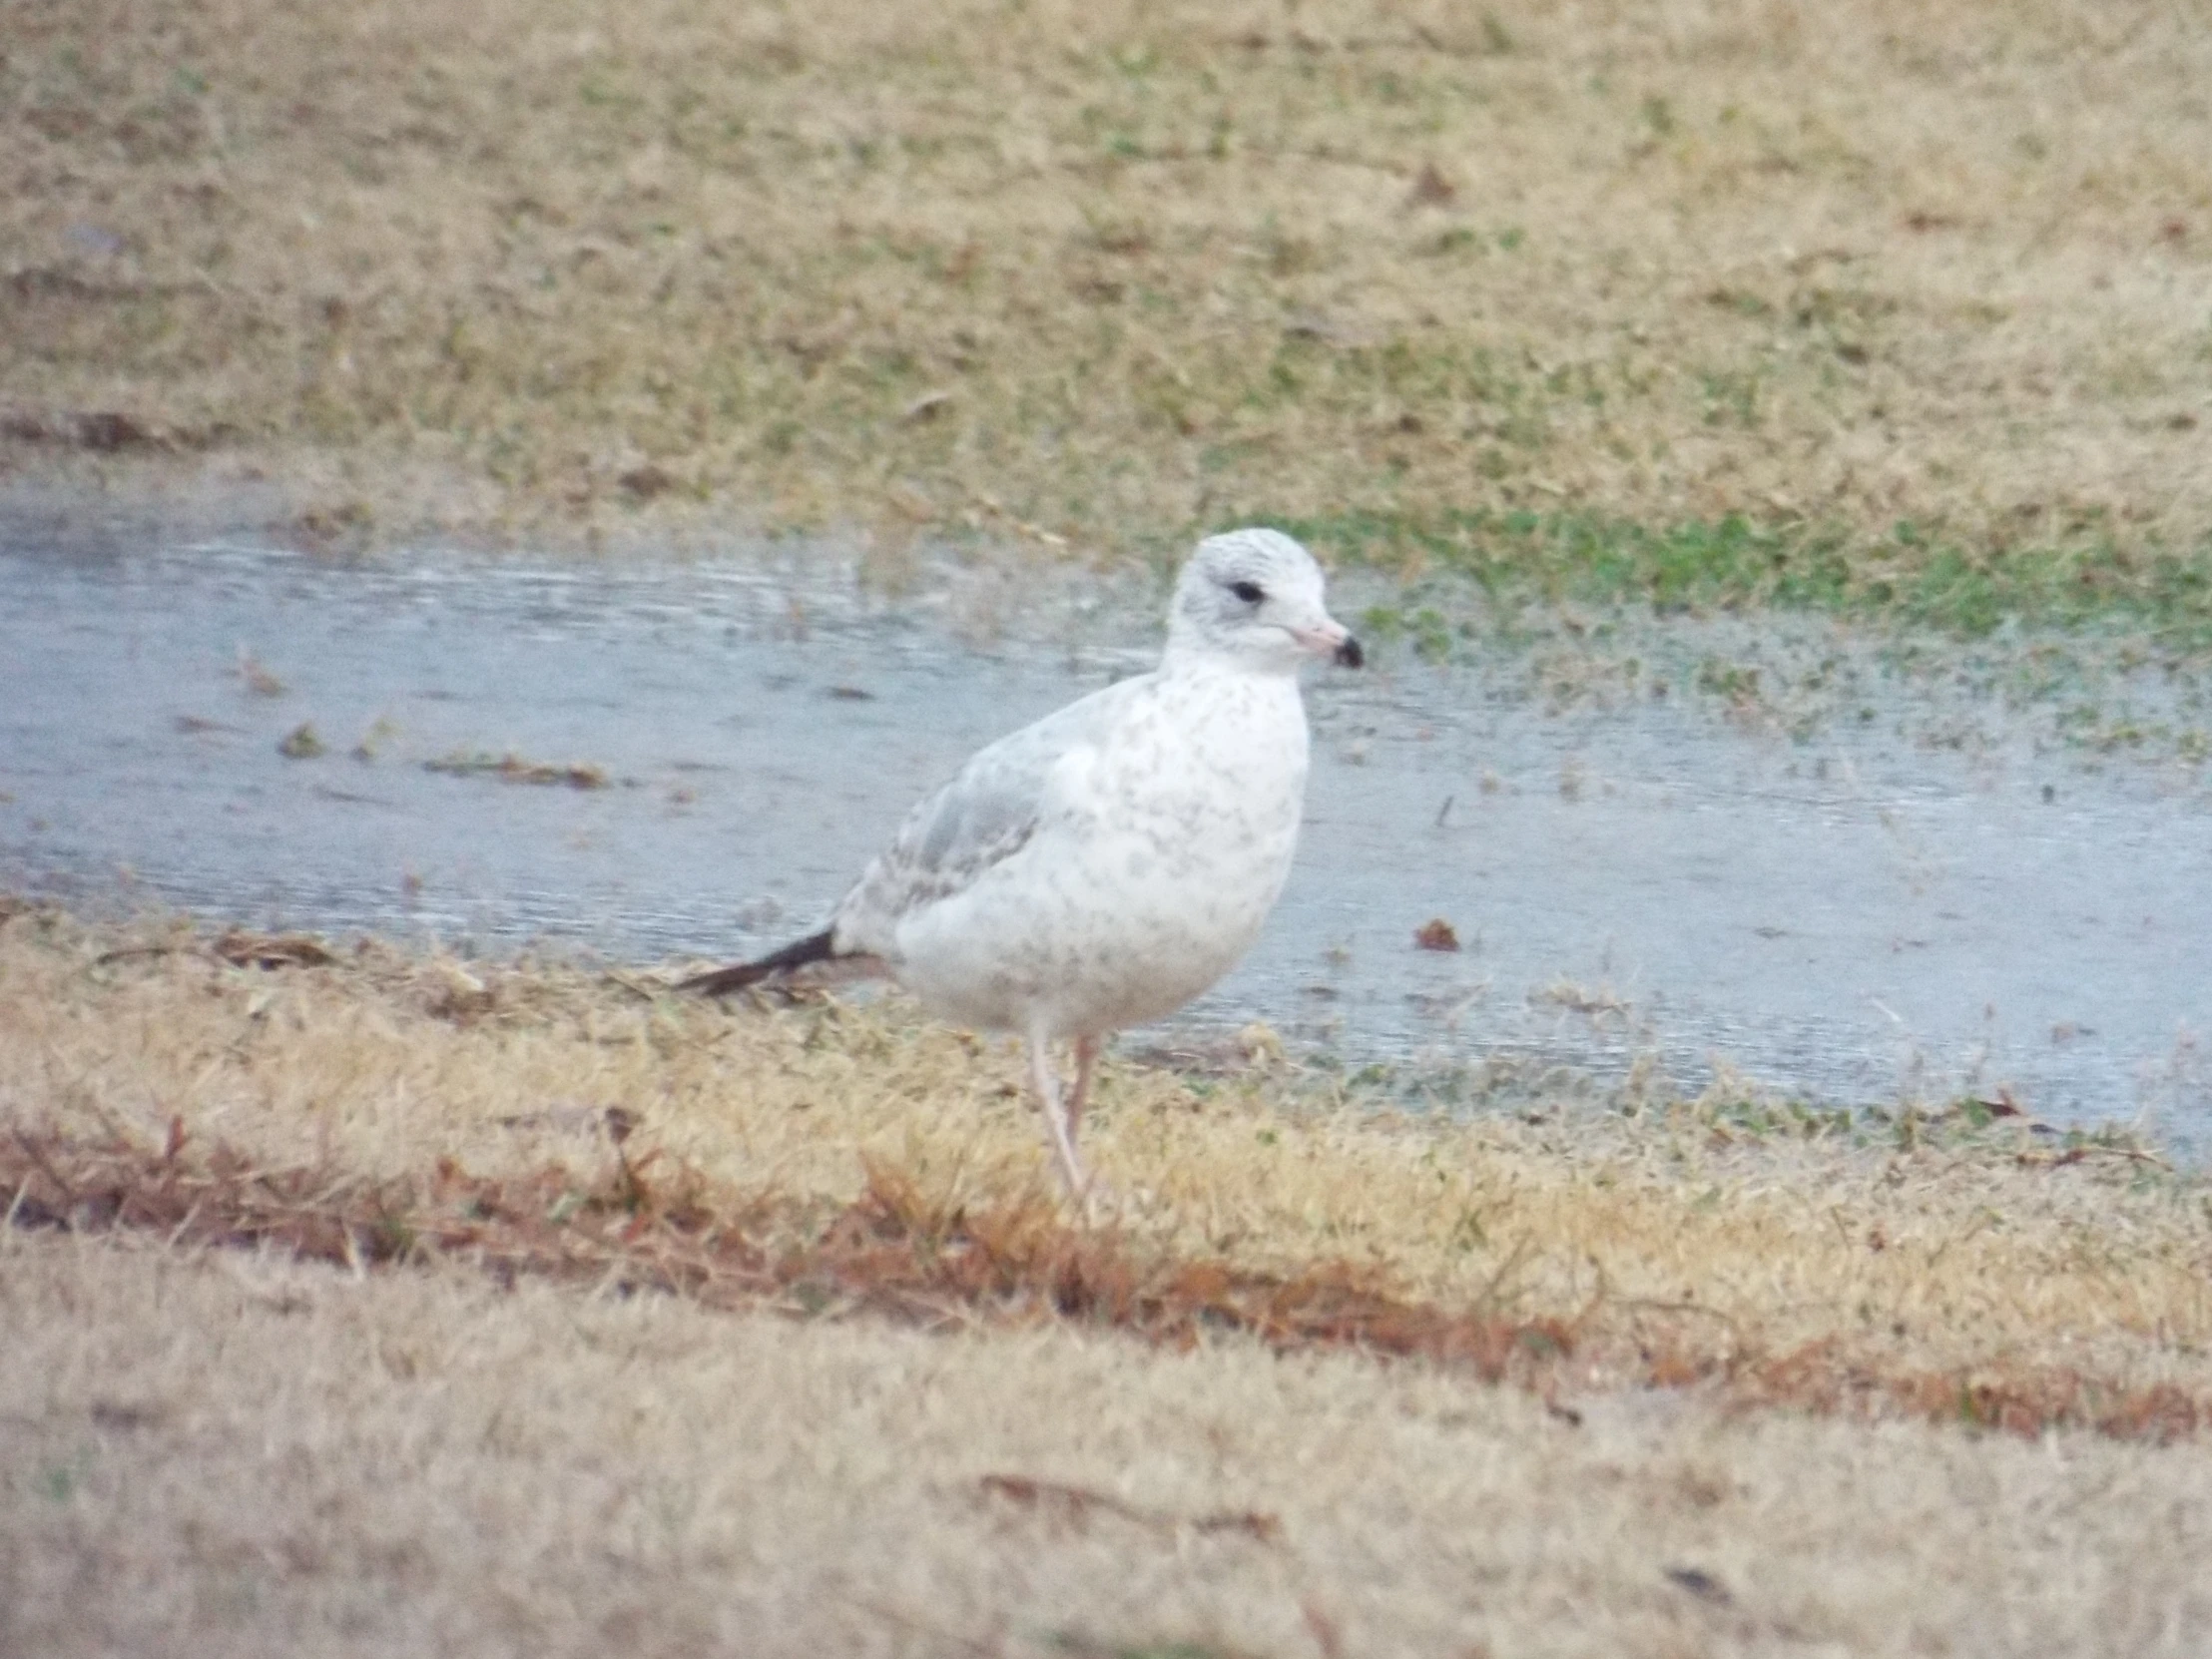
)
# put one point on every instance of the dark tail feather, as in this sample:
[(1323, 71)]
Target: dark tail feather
[(721, 981)]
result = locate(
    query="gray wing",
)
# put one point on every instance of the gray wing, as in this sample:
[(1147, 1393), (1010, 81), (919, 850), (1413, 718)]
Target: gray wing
[(985, 816)]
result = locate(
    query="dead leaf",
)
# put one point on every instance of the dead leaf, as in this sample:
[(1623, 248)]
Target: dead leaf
[(925, 407), (1701, 1585), (647, 481), (1430, 187), (242, 948)]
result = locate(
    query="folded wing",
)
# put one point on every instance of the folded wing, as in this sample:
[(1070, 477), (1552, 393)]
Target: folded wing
[(983, 816)]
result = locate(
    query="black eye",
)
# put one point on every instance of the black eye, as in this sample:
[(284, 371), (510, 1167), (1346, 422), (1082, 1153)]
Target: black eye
[(1250, 592)]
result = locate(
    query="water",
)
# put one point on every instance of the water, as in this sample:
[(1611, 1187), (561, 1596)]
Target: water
[(1856, 913)]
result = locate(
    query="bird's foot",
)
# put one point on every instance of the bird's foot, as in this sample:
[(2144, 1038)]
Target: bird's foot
[(1096, 1201)]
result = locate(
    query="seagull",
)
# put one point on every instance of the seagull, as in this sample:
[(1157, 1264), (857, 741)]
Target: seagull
[(1103, 867)]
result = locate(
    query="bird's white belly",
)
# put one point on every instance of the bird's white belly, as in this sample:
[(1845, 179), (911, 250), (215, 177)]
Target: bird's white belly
[(1125, 933), (1143, 894)]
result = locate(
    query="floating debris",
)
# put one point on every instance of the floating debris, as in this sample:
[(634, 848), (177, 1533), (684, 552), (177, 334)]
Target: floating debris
[(258, 679), (1563, 993), (513, 768), (381, 731), (300, 742), (1435, 934)]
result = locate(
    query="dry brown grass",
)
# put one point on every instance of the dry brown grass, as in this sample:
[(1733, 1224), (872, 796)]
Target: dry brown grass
[(229, 1453), (893, 1253), (865, 1151), (383, 1302), (1101, 272)]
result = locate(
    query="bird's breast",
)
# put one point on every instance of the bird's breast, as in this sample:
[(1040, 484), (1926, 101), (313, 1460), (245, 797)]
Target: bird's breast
[(1236, 749), (1150, 875), (1197, 806)]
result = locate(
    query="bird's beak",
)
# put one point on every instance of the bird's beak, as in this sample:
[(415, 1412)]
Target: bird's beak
[(1334, 641)]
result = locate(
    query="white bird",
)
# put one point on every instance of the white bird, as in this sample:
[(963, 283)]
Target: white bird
[(1103, 867)]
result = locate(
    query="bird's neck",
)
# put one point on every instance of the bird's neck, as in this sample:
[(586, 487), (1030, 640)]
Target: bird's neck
[(1192, 659)]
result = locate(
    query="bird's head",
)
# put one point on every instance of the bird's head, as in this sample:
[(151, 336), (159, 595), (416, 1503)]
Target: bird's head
[(1255, 598)]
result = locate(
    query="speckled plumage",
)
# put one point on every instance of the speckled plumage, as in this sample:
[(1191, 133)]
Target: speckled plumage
[(1104, 866)]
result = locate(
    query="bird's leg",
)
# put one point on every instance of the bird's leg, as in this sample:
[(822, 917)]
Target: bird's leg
[(1059, 1132), (1086, 1058)]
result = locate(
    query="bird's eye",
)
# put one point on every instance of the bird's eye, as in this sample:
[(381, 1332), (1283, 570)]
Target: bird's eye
[(1250, 592)]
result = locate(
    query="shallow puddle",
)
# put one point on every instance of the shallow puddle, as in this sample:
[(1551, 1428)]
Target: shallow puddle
[(1855, 913)]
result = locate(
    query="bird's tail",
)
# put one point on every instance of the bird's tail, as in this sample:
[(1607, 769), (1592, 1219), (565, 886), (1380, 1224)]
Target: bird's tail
[(815, 948)]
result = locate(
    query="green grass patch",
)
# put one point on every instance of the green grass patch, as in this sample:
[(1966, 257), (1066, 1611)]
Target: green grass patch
[(1910, 576)]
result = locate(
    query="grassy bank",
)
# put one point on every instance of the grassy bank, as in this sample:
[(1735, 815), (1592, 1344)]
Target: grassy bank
[(1689, 1237), (1721, 299), (524, 1239)]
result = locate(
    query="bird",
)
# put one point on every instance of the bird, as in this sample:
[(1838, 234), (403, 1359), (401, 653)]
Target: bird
[(1099, 868)]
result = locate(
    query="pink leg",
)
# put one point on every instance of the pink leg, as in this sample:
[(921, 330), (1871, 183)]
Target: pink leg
[(1059, 1131), (1086, 1058)]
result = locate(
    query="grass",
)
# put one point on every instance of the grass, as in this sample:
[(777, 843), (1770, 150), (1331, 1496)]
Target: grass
[(1669, 305), (899, 1251), (197, 1078), (1519, 559), (478, 1182), (258, 1457)]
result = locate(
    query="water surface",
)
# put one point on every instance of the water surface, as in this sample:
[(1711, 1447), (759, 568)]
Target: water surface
[(1853, 914)]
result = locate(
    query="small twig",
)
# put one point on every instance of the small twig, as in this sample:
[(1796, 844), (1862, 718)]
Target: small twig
[(1029, 1493), (31, 1151), (2077, 1154), (1323, 1625), (1487, 1300), (126, 952), (644, 994), (1588, 1311), (1653, 1305), (176, 1233)]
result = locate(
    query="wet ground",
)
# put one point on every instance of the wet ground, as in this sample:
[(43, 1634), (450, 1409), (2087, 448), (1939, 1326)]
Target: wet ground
[(1905, 886)]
